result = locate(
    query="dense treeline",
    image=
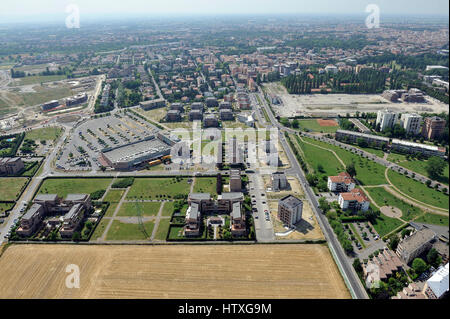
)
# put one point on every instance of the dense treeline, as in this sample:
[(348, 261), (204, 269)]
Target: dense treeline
[(366, 81), (418, 62)]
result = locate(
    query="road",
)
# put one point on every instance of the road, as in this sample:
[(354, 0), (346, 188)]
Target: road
[(349, 274)]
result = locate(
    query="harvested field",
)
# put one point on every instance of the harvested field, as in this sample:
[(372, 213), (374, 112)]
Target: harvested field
[(172, 271)]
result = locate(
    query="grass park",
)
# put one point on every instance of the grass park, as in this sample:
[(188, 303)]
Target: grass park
[(44, 134), (158, 188), (131, 209), (418, 191), (64, 186), (367, 171), (10, 187), (5, 207), (315, 156), (384, 198), (205, 185), (37, 79), (433, 219), (126, 231), (384, 225), (114, 195)]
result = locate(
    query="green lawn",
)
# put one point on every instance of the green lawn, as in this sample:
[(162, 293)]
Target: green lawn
[(176, 232), (45, 133), (114, 195), (10, 187), (99, 230), (158, 188), (168, 209), (385, 225), (124, 231), (64, 186), (384, 198), (433, 219), (367, 171), (418, 191), (111, 209), (5, 206), (37, 79), (205, 185), (420, 167), (373, 151), (315, 156), (313, 125), (163, 228), (395, 158), (130, 209)]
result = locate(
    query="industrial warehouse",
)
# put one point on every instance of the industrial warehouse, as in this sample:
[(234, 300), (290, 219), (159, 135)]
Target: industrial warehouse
[(132, 154)]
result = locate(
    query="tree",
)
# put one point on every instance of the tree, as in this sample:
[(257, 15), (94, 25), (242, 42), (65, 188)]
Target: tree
[(312, 180), (434, 258), (435, 167), (393, 241), (351, 169), (295, 123), (76, 236), (357, 265), (324, 205), (419, 265)]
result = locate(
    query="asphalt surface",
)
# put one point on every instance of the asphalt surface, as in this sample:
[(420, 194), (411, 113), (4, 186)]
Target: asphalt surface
[(346, 268)]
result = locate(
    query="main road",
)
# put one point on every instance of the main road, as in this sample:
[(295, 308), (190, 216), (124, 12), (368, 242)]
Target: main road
[(351, 278)]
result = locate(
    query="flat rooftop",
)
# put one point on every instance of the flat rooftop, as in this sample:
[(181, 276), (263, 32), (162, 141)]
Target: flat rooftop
[(133, 151)]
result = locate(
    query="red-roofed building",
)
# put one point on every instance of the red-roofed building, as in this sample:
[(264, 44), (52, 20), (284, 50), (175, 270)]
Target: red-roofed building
[(354, 200), (341, 183)]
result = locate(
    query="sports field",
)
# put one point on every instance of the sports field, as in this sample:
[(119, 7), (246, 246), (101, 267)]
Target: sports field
[(178, 271), (319, 125)]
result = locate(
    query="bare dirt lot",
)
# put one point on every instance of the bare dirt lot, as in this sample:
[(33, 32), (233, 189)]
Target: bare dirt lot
[(177, 271), (325, 105), (323, 122)]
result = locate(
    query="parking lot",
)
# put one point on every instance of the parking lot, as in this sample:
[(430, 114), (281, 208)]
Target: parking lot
[(81, 150)]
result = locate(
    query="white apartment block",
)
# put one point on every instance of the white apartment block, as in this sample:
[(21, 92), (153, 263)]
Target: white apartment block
[(411, 123), (386, 119)]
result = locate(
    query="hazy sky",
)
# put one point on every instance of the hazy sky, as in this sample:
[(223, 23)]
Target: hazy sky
[(20, 9)]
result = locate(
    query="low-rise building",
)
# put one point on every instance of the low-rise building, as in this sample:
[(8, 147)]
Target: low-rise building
[(415, 244), (11, 165), (173, 116), (354, 200), (210, 120), (211, 102), (195, 115), (352, 137), (225, 105), (341, 183), (437, 285), (177, 107), (417, 148), (152, 104), (72, 220), (290, 210), (381, 267), (226, 115)]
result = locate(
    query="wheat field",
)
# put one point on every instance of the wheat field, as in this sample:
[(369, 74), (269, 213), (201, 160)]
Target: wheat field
[(171, 271)]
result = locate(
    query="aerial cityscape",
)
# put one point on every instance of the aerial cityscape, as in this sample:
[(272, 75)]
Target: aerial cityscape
[(224, 151)]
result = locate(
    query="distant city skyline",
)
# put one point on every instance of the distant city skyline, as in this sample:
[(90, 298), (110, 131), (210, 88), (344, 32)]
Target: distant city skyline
[(29, 10)]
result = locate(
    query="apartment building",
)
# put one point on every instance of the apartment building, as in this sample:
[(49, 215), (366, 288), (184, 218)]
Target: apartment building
[(195, 115), (210, 120), (354, 200), (341, 183), (381, 267), (290, 210), (433, 127), (74, 206), (173, 116), (202, 204), (415, 244), (11, 165), (226, 115), (235, 180), (386, 119), (411, 123)]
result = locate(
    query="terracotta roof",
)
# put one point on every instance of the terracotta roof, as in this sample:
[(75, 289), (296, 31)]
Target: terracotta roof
[(355, 195), (343, 177)]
